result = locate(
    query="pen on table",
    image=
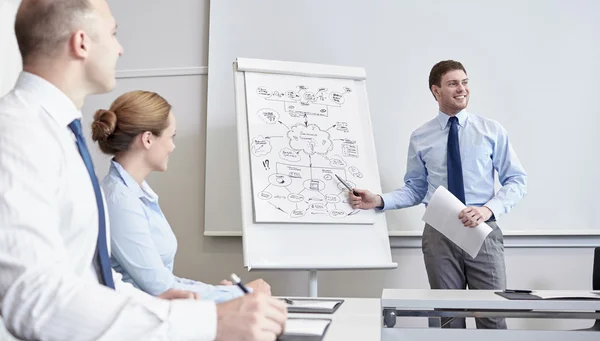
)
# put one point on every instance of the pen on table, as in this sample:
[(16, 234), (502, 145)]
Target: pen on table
[(517, 291), (237, 281), (347, 186)]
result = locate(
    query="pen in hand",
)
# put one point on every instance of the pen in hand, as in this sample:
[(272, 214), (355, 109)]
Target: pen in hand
[(237, 281), (347, 186)]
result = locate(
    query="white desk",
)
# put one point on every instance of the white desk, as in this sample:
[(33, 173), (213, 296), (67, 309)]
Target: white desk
[(356, 319), (422, 303)]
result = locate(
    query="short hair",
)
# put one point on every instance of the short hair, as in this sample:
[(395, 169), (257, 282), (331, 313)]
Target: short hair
[(131, 114), (440, 69), (42, 26)]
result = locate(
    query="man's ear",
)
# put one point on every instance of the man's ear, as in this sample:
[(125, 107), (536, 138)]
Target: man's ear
[(80, 44), (435, 90), (147, 139)]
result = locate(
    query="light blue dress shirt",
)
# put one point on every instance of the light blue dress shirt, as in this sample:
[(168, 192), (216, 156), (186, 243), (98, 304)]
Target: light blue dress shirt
[(484, 147), (142, 242)]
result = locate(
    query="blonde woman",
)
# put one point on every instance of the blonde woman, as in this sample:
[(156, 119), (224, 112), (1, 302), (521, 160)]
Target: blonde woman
[(139, 131)]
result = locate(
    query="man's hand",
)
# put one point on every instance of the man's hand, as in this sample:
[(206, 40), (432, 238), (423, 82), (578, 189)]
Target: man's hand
[(473, 216), (365, 200), (174, 294), (225, 282), (259, 285), (253, 317)]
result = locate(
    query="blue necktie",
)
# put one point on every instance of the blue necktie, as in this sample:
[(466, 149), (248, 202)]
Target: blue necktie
[(101, 246), (454, 165)]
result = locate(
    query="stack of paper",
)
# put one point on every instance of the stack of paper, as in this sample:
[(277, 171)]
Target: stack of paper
[(566, 294), (442, 214)]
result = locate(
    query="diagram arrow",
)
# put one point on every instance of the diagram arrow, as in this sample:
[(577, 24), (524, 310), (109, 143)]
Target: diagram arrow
[(277, 207), (283, 124), (305, 120), (331, 127), (310, 165), (270, 137)]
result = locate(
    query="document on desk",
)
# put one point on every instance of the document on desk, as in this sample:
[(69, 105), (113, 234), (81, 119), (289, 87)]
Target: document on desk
[(306, 326), (566, 294), (442, 214)]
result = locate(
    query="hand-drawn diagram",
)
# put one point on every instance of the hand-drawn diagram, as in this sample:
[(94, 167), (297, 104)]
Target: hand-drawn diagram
[(301, 136)]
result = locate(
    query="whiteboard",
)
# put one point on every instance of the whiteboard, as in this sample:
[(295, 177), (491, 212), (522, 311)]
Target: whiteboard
[(298, 243), (533, 67)]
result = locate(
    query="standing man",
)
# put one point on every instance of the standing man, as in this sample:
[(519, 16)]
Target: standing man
[(460, 151), (55, 277)]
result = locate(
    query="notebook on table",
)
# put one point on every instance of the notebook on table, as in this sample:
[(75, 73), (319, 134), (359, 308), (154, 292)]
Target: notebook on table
[(304, 329), (307, 305)]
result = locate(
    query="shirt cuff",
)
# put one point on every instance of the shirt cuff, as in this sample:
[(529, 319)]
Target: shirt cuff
[(193, 320), (496, 207), (385, 198), (222, 293)]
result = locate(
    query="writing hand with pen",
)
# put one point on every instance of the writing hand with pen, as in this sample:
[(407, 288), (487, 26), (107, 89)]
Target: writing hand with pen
[(257, 285), (252, 317)]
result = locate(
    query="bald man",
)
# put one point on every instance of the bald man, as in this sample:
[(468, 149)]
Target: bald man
[(55, 277)]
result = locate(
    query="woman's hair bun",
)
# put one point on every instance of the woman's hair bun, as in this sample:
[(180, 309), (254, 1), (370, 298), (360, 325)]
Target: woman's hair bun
[(105, 122)]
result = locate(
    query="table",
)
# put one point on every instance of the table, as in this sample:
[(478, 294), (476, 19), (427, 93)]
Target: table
[(356, 319), (482, 303)]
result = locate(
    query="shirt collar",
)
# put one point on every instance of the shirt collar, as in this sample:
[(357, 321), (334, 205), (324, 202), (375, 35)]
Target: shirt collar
[(143, 191), (462, 116), (58, 105)]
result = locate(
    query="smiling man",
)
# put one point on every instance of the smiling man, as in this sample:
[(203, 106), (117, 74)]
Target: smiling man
[(460, 151)]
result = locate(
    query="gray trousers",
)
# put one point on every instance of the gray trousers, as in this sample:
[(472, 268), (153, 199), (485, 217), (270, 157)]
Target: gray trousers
[(449, 267)]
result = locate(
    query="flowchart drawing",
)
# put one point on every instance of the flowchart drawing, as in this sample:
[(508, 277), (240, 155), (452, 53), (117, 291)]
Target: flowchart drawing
[(304, 131)]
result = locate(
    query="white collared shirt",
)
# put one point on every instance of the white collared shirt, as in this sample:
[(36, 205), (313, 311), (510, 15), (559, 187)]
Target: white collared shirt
[(48, 232)]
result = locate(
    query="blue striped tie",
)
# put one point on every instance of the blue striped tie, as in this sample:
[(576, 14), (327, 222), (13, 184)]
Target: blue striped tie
[(101, 246), (454, 165)]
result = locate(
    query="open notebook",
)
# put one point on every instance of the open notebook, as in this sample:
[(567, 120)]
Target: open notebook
[(304, 329), (305, 305)]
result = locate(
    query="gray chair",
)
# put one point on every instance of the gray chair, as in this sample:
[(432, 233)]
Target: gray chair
[(596, 281), (596, 284)]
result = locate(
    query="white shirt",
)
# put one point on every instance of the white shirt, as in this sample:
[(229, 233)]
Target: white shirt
[(48, 231)]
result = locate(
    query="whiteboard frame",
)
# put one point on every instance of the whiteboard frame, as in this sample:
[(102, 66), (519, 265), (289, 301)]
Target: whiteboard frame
[(379, 244)]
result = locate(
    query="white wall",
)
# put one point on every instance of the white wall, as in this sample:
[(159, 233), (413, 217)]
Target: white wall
[(175, 35), (10, 58), (533, 66)]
